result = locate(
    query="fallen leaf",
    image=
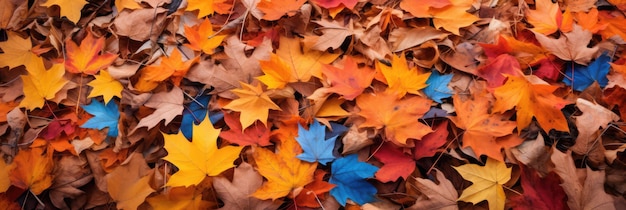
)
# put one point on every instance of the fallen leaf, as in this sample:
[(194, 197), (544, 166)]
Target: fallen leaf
[(199, 158), (69, 8), (18, 51), (87, 58), (396, 164), (71, 173), (594, 118), (402, 79), (571, 46), (349, 81), (436, 196), (539, 192), (349, 174), (32, 169), (104, 116), (168, 105), (580, 77), (202, 37), (178, 198), (171, 67), (257, 134), (106, 86), (41, 85), (486, 181), (275, 9), (253, 104), (430, 143), (545, 18), (129, 184), (314, 144), (437, 88), (315, 191), (236, 193)]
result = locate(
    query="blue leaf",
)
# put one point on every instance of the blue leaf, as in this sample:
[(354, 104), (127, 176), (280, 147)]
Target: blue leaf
[(584, 76), (194, 113), (104, 116), (438, 86), (348, 174), (315, 146), (338, 129)]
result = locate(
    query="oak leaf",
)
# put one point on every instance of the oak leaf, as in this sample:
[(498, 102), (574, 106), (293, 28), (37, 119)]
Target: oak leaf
[(531, 100), (86, 58), (486, 181), (402, 79), (483, 129), (253, 104), (41, 85), (571, 46), (106, 86), (292, 64), (200, 157), (69, 8), (201, 37), (236, 193), (32, 169), (398, 117), (286, 174)]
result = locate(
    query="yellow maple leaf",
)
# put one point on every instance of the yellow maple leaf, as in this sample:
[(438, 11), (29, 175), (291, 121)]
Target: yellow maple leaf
[(69, 8), (41, 85), (17, 52), (178, 198), (32, 169), (106, 86), (200, 157), (253, 103), (290, 64), (286, 174), (401, 79), (202, 37), (486, 181), (531, 100), (126, 4), (86, 58)]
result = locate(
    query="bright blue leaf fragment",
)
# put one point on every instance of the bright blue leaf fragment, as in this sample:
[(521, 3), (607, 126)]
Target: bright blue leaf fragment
[(194, 113), (314, 145), (437, 88), (348, 174), (103, 116), (584, 76)]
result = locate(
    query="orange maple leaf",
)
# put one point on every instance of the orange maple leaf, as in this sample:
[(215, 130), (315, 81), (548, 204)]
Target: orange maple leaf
[(202, 37), (531, 100), (86, 58), (172, 67), (286, 174), (275, 9), (32, 169), (450, 15), (402, 79), (398, 117), (482, 129), (349, 81), (544, 17)]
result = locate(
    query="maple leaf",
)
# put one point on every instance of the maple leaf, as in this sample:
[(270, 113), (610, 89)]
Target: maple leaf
[(286, 174), (126, 4), (427, 147), (329, 4), (495, 69), (539, 192), (349, 174), (41, 85), (454, 16), (86, 58), (437, 196), (129, 184), (531, 100), (255, 134), (581, 77), (545, 18), (253, 103), (69, 8), (106, 86), (314, 191), (201, 37), (275, 9), (402, 79), (204, 7), (195, 113), (236, 193), (200, 157), (482, 129), (316, 147), (348, 82), (291, 64), (594, 116), (397, 116), (571, 46), (396, 164), (18, 51), (104, 116), (437, 88), (168, 105), (421, 8), (486, 181), (32, 169), (172, 67), (178, 198)]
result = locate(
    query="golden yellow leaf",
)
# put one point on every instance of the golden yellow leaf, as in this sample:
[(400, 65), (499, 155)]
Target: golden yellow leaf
[(17, 52), (126, 4), (106, 86), (178, 198), (286, 174), (69, 8), (41, 85), (200, 157), (401, 79), (253, 103), (486, 181)]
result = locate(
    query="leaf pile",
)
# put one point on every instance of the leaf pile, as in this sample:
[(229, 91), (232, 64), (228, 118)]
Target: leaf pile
[(329, 104)]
